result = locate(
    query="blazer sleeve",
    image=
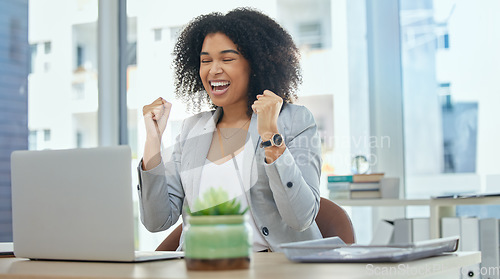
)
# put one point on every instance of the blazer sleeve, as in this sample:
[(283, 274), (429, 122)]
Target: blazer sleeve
[(295, 176), (161, 194)]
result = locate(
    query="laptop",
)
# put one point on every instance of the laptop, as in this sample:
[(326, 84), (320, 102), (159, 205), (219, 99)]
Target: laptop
[(75, 204)]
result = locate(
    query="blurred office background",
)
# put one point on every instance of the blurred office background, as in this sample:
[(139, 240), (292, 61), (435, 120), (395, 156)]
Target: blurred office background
[(412, 85)]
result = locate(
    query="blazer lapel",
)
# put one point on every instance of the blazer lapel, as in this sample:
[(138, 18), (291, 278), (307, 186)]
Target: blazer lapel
[(201, 141), (249, 177)]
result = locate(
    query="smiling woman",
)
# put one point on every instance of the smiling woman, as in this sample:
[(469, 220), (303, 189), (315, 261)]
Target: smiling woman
[(255, 145)]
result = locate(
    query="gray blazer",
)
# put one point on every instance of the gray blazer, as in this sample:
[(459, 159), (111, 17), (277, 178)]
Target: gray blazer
[(283, 196)]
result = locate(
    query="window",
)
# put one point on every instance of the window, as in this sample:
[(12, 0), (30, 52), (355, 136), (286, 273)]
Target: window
[(14, 66), (46, 135), (15, 38), (310, 35), (131, 53), (79, 56), (174, 33), (157, 34), (309, 23), (450, 96), (79, 140), (32, 140), (40, 58), (443, 41), (33, 50), (47, 46), (53, 81), (39, 139), (448, 67)]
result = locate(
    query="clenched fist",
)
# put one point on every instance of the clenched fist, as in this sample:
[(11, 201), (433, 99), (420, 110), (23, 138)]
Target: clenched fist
[(267, 107), (156, 116)]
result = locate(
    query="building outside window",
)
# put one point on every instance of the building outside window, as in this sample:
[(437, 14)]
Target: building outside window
[(14, 69), (449, 92)]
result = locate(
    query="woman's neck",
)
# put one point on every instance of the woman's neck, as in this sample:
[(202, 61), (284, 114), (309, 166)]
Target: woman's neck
[(234, 116)]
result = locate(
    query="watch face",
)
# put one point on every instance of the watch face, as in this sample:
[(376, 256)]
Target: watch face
[(277, 139)]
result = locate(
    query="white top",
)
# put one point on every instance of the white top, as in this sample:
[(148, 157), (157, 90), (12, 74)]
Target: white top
[(226, 176)]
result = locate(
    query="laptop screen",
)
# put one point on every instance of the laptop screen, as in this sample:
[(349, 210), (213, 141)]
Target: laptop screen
[(73, 204)]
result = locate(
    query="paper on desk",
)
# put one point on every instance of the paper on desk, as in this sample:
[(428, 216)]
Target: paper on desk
[(308, 247), (6, 248), (335, 250)]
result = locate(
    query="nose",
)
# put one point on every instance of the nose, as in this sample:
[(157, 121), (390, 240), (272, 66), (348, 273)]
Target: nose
[(216, 68)]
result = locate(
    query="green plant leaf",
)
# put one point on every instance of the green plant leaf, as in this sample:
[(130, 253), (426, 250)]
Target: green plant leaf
[(215, 201)]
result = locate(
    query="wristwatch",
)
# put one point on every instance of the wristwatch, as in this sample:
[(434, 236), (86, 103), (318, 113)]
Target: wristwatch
[(276, 140)]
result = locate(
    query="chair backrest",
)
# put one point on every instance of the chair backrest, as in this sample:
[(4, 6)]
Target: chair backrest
[(171, 242), (332, 220)]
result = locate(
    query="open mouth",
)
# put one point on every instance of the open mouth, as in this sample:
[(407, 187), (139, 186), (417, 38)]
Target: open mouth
[(219, 87)]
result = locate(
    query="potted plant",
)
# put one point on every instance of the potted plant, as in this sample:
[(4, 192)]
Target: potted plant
[(217, 236)]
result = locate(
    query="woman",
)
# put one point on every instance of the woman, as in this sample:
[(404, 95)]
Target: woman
[(260, 147)]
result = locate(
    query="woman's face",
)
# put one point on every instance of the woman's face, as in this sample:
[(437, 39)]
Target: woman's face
[(225, 73)]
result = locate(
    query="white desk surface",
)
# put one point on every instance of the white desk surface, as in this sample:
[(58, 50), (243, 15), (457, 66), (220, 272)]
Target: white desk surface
[(263, 265)]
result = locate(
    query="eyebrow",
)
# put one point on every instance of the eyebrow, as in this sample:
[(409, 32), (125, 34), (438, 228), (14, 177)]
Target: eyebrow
[(222, 52)]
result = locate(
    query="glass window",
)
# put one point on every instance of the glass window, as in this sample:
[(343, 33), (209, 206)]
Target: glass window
[(157, 32), (33, 50), (326, 70), (63, 95), (79, 140), (16, 32), (32, 140), (46, 135), (310, 35), (47, 46), (14, 68), (63, 99), (79, 56), (450, 72)]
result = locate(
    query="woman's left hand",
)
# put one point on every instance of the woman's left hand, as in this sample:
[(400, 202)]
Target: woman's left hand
[(267, 107)]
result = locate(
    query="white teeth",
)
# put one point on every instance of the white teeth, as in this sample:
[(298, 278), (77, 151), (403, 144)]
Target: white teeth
[(219, 83)]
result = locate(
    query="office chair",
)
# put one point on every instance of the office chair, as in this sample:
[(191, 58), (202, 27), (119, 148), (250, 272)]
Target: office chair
[(332, 220)]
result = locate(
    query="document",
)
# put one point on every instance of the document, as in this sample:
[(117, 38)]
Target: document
[(6, 248), (332, 250)]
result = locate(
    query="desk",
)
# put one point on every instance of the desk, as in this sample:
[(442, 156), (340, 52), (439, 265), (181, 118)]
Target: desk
[(263, 265), (445, 207), (439, 208)]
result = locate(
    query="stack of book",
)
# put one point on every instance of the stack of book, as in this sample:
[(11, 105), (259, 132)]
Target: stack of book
[(356, 186)]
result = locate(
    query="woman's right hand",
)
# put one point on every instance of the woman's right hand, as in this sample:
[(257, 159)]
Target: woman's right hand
[(155, 117)]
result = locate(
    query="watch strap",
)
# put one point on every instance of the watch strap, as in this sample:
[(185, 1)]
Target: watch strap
[(270, 142)]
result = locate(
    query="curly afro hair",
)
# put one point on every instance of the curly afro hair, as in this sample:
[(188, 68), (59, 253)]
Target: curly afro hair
[(270, 50)]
